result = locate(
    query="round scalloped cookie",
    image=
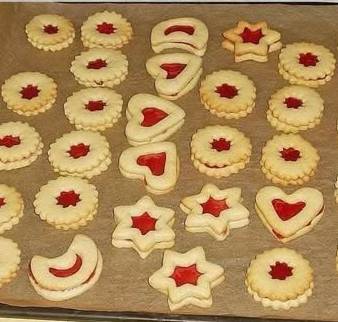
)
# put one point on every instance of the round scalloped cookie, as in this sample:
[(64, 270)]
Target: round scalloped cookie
[(29, 93), (9, 259), (106, 30), (50, 32)]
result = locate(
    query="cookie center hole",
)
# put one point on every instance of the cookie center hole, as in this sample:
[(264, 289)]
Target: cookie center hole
[(66, 272), (30, 91), (285, 210), (106, 28), (50, 29), (68, 198), (152, 115), (79, 150), (185, 275), (189, 30), (308, 59), (214, 207), (226, 90), (93, 106), (220, 144), (251, 36), (154, 161), (97, 64), (280, 271), (290, 154), (173, 69), (293, 102), (2, 201), (9, 140), (144, 223)]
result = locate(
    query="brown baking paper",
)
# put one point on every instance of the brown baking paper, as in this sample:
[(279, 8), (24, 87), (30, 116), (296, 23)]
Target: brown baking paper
[(123, 284)]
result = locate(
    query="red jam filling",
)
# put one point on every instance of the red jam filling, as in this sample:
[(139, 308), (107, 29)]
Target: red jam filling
[(290, 154), (180, 28), (221, 144), (173, 69), (144, 223), (214, 207), (286, 211), (278, 235), (293, 102), (9, 140), (154, 161), (252, 36), (152, 115), (67, 271), (308, 59), (68, 198), (95, 106), (78, 150), (29, 92), (106, 28), (96, 64), (2, 202), (185, 275), (50, 29), (280, 271), (227, 91)]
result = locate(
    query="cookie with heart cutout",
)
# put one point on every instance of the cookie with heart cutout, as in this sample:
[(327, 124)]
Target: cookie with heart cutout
[(215, 211), (157, 164), (69, 275), (152, 119), (185, 33), (280, 278), (175, 74), (289, 216)]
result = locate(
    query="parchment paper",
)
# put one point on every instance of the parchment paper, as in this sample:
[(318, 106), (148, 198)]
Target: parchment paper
[(123, 284)]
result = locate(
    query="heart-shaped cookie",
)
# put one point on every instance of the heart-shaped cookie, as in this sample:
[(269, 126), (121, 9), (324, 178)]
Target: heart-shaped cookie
[(288, 216), (152, 119)]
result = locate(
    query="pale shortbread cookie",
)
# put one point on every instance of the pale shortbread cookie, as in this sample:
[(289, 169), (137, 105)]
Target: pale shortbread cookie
[(9, 260), (280, 278), (295, 108), (50, 32), (143, 227), (219, 151), (289, 159), (215, 211), (94, 109), (29, 93), (289, 216), (106, 29), (228, 94), (100, 67), (188, 34), (251, 41), (80, 153), (187, 278)]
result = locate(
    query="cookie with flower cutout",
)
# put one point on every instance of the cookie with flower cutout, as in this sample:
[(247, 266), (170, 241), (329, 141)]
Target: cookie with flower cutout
[(295, 108), (50, 32), (280, 278), (29, 93), (306, 64), (100, 67), (106, 29), (228, 94), (156, 164), (288, 159), (220, 151), (187, 278), (289, 216), (175, 74), (251, 41), (94, 109), (80, 153), (143, 227), (215, 211), (67, 202), (68, 275), (20, 145), (186, 33), (152, 119)]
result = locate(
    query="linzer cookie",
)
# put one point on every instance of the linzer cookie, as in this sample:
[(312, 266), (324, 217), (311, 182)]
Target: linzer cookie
[(220, 151), (251, 41), (100, 67), (215, 211), (50, 32), (228, 94), (9, 259), (157, 164), (175, 74), (106, 29), (152, 119), (68, 275), (306, 64), (11, 207), (29, 93), (187, 278), (289, 216), (94, 109), (188, 34), (295, 108), (80, 153), (67, 202), (288, 159), (280, 278), (143, 227), (20, 145)]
